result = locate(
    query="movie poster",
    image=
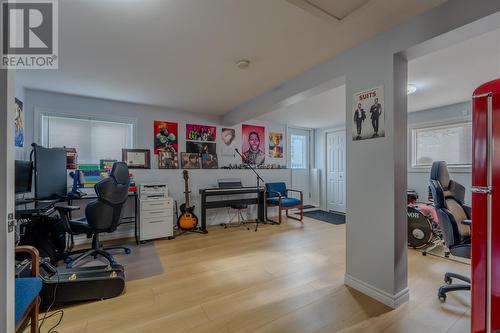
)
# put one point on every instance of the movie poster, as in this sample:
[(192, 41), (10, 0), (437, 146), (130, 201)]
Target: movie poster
[(368, 119), (19, 124), (276, 145), (165, 137), (167, 160), (253, 144), (200, 133), (190, 161), (201, 147), (209, 161), (228, 141)]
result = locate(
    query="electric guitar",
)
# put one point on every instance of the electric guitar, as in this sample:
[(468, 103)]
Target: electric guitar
[(187, 220)]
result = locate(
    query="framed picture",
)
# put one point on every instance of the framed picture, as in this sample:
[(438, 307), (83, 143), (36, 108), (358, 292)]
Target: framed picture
[(190, 161), (19, 124), (168, 160), (165, 136), (368, 114), (137, 158), (201, 147), (209, 161), (228, 139), (276, 145), (253, 144), (203, 133)]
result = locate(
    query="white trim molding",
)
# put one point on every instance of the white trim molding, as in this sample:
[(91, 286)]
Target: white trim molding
[(392, 301)]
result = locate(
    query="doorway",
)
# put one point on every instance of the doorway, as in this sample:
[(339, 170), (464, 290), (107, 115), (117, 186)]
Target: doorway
[(299, 160), (335, 170), (7, 220)]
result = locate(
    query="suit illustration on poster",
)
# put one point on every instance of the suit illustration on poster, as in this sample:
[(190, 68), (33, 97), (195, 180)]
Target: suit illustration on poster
[(368, 119)]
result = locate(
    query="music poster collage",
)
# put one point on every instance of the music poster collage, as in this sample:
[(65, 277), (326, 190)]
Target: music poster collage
[(201, 145)]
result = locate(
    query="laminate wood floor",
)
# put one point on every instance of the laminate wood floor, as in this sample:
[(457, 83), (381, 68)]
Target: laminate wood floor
[(286, 278)]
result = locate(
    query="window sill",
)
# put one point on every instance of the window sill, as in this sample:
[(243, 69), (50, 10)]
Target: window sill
[(451, 169)]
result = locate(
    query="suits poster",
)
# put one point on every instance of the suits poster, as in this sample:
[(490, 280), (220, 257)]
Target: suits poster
[(368, 116)]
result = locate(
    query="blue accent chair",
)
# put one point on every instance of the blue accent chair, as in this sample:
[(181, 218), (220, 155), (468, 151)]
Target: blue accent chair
[(277, 195), (26, 292)]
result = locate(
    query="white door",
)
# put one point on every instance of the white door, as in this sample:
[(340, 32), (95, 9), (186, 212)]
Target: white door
[(6, 201), (298, 152), (335, 170)]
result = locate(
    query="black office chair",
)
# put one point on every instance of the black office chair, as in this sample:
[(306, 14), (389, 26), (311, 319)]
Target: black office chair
[(101, 215), (454, 219)]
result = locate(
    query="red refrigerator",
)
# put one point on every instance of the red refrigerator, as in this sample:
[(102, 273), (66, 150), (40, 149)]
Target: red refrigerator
[(485, 290)]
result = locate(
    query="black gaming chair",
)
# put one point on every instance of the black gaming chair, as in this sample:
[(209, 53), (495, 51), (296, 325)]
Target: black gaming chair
[(454, 219), (101, 215)]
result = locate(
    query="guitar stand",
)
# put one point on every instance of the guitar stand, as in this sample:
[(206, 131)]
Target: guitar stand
[(194, 231)]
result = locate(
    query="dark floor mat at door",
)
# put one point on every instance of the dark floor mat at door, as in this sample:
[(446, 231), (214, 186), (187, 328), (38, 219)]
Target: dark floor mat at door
[(329, 217)]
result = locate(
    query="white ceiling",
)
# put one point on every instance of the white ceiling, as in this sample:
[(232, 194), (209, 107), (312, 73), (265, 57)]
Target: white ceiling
[(182, 53), (326, 109), (445, 77), (450, 75)]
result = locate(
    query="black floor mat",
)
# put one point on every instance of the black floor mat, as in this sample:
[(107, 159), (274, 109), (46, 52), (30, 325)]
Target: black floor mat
[(329, 217)]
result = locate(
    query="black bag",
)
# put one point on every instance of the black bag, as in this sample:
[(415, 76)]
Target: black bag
[(63, 285), (47, 235)]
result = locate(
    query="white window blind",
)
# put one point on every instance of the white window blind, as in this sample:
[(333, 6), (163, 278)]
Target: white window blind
[(450, 143), (93, 139), (298, 151)]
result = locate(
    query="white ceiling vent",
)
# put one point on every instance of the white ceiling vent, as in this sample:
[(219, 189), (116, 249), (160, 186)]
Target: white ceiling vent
[(332, 10)]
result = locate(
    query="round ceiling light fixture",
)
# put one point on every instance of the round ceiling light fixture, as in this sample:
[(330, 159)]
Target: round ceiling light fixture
[(411, 89), (243, 64)]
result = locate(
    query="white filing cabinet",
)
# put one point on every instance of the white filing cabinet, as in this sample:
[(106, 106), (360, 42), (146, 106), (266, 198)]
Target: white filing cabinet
[(156, 212)]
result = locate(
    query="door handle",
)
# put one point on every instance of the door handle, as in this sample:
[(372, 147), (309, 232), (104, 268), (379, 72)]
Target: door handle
[(481, 189)]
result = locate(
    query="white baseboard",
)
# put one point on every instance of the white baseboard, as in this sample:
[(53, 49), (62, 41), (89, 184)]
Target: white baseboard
[(127, 231), (392, 301)]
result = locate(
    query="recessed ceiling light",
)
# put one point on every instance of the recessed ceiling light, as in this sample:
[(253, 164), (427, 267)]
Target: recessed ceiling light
[(243, 64), (411, 89)]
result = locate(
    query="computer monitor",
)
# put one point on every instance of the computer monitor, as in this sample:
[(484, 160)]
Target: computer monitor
[(24, 176), (51, 178)]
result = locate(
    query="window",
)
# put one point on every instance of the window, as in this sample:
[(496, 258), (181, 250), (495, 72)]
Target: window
[(450, 143), (93, 139), (298, 151)]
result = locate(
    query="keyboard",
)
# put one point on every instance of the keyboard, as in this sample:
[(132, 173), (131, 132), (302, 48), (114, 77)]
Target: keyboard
[(24, 201)]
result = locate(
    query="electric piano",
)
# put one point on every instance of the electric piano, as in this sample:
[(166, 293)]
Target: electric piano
[(208, 203)]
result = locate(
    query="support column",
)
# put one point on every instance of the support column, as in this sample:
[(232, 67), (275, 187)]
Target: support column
[(376, 254)]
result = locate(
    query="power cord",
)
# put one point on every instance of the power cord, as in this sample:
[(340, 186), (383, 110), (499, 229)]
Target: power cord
[(61, 312)]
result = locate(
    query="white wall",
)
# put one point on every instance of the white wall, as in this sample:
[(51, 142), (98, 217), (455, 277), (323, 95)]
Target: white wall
[(144, 117), (376, 248), (7, 93), (419, 179)]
